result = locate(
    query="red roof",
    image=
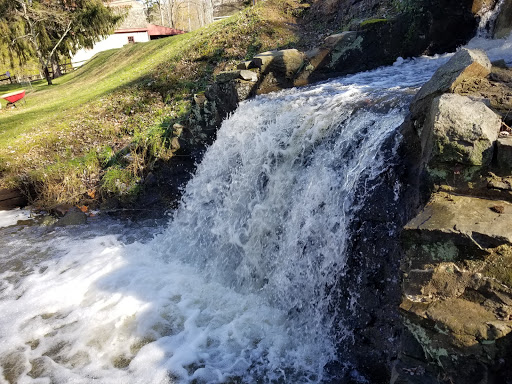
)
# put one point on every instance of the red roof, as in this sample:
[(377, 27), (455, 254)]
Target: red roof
[(152, 30)]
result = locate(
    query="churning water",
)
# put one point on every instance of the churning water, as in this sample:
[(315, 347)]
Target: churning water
[(236, 286)]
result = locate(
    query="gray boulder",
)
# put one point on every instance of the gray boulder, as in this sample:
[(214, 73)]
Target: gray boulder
[(463, 131), (463, 65)]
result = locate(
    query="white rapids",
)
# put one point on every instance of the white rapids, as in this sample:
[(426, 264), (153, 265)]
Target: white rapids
[(234, 289)]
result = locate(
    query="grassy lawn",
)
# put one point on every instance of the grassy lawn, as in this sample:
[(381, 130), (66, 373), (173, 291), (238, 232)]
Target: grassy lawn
[(97, 131)]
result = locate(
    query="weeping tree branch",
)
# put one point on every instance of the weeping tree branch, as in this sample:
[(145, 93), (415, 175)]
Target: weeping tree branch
[(48, 28), (68, 28)]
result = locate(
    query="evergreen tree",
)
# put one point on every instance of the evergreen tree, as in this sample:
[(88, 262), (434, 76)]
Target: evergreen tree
[(46, 28)]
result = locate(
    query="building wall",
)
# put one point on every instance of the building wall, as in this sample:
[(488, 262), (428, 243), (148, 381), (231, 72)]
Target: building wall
[(116, 40)]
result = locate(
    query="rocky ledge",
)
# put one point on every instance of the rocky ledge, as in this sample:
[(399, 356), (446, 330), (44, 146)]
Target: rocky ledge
[(457, 250)]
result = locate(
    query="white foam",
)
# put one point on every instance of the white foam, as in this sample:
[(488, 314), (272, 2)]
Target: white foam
[(496, 49), (11, 217)]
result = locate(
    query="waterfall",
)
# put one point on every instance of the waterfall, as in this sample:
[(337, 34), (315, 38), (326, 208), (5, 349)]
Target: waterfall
[(240, 285), (488, 17)]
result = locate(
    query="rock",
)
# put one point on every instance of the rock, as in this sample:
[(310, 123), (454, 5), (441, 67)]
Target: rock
[(500, 64), (496, 90), (199, 98), (457, 287), (451, 228), (501, 183), (248, 75), (74, 216), (11, 198), (482, 5), (61, 209), (243, 74), (224, 77), (462, 131), (504, 153), (503, 25), (177, 129), (284, 63), (245, 65), (463, 65), (334, 48)]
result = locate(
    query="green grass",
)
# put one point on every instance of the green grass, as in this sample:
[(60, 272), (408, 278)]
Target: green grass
[(123, 103)]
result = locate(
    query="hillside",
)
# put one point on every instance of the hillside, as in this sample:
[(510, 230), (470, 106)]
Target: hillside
[(98, 131)]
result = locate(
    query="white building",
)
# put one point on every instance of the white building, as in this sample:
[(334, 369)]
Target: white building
[(134, 29)]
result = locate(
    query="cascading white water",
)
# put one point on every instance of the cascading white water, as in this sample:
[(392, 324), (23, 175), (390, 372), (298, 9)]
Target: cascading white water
[(236, 288), (488, 16)]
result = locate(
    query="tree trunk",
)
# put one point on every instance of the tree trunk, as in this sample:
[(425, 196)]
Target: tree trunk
[(47, 75), (56, 67), (161, 12), (43, 64), (169, 11)]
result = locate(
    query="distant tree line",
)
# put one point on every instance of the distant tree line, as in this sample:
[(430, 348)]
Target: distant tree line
[(180, 14)]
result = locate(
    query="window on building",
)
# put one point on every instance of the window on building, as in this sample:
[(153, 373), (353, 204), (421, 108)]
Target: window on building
[(131, 39)]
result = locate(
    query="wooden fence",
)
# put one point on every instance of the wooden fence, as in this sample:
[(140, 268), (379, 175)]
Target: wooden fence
[(23, 78)]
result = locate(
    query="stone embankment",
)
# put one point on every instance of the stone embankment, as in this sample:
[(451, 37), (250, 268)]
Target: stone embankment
[(457, 263)]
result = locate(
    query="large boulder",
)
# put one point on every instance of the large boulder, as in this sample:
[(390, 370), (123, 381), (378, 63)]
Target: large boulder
[(460, 131), (463, 65)]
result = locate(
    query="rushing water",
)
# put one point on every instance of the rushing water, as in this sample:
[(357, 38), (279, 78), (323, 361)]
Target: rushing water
[(235, 287)]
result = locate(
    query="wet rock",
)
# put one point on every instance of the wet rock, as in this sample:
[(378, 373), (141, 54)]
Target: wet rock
[(463, 65), (73, 216), (61, 209), (503, 25), (500, 64)]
